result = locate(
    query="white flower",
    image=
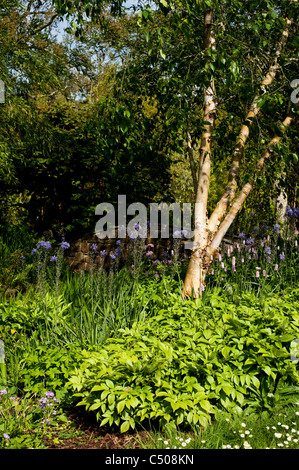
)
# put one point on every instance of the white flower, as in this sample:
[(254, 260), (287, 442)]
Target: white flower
[(273, 427), (242, 435), (297, 413), (237, 447), (247, 432), (184, 444), (165, 442), (278, 435), (247, 445), (280, 444), (295, 440), (243, 425)]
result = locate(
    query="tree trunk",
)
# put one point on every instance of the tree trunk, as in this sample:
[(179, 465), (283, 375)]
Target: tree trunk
[(194, 279)]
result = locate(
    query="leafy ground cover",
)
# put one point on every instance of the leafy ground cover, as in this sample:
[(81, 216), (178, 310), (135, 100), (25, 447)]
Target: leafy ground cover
[(116, 358)]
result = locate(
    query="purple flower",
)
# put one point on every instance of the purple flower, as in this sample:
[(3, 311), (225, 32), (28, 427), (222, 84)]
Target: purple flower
[(43, 401), (53, 259), (137, 227), (276, 228), (276, 267), (118, 243), (289, 212), (64, 245), (34, 251), (3, 392), (184, 233), (103, 253), (255, 230), (265, 227), (46, 245), (242, 235), (250, 241), (6, 436), (177, 234), (268, 250), (49, 394), (282, 256), (112, 256), (117, 252), (93, 247)]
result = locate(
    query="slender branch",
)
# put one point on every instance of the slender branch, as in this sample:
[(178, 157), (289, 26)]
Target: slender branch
[(231, 186), (45, 25), (248, 187)]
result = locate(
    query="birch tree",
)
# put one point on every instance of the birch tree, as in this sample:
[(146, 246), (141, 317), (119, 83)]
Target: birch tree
[(217, 52)]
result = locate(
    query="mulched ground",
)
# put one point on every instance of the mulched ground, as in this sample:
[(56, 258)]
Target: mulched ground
[(92, 436)]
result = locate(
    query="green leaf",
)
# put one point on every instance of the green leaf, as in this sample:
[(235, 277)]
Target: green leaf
[(120, 406), (125, 426)]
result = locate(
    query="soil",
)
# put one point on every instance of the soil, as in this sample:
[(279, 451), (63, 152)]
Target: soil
[(93, 436)]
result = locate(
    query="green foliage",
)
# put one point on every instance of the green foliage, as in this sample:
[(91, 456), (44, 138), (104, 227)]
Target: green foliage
[(45, 368), (188, 360)]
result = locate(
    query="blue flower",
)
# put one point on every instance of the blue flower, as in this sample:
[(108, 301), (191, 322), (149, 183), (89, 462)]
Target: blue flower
[(118, 242), (265, 227), (93, 247), (276, 228), (53, 259), (65, 245), (103, 253), (34, 251), (46, 245), (289, 212), (250, 241), (242, 235), (117, 252)]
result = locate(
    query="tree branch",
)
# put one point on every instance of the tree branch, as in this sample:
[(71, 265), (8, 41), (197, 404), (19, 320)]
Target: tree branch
[(231, 186)]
